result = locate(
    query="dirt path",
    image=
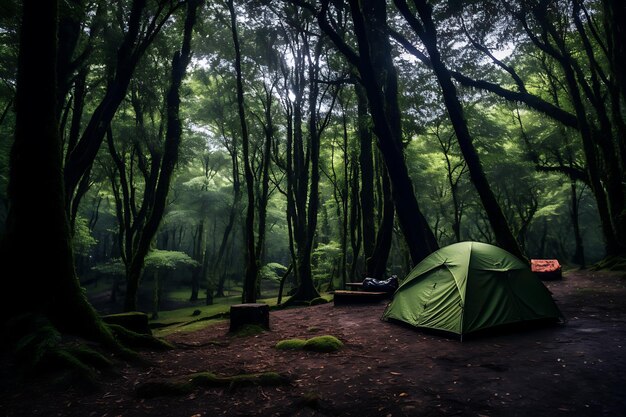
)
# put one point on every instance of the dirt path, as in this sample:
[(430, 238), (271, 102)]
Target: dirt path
[(576, 369)]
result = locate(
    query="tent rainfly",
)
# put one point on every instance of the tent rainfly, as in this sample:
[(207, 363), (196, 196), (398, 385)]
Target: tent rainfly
[(470, 286)]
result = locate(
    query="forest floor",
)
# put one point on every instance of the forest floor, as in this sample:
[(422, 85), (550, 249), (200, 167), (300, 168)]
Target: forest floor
[(572, 369)]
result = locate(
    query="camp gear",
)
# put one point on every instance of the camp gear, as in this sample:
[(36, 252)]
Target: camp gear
[(387, 285), (546, 269), (470, 286)]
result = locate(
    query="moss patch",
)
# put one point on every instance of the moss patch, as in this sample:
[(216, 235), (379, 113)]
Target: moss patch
[(291, 344), (249, 330), (139, 340), (318, 301), (184, 385), (324, 344)]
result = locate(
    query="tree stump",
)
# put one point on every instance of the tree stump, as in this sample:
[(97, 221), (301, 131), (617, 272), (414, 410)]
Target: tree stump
[(251, 313)]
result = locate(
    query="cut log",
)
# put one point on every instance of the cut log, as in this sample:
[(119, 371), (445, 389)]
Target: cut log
[(251, 313)]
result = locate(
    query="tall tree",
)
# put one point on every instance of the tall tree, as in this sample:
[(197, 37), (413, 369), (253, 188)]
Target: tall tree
[(173, 134), (252, 268), (425, 28), (48, 287), (374, 53), (140, 31)]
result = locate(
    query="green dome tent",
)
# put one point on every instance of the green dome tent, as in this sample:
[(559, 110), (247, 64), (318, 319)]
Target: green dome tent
[(470, 286)]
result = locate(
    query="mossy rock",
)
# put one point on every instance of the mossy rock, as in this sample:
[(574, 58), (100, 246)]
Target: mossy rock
[(318, 301), (291, 344), (324, 344)]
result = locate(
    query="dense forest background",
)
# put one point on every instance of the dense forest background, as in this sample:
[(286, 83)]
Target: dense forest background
[(225, 147)]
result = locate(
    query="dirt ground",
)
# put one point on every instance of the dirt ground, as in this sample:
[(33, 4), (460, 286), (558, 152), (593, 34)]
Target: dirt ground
[(574, 369)]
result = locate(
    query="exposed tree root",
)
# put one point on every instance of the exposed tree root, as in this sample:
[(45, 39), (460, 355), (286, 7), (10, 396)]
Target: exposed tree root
[(186, 384), (139, 340), (39, 348), (611, 263)]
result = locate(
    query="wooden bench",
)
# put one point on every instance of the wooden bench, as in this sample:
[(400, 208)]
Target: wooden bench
[(357, 285), (343, 297)]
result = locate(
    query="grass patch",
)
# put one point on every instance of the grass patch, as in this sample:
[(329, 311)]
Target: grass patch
[(324, 344), (183, 320)]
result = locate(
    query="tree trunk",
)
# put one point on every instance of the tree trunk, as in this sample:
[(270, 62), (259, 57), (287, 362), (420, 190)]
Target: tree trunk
[(36, 164), (306, 159), (82, 156), (199, 244), (168, 163), (366, 162), (579, 252), (356, 233), (377, 264), (374, 55), (428, 35), (156, 295), (250, 282), (219, 292), (281, 287)]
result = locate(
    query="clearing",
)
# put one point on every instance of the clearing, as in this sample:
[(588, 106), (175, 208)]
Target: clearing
[(384, 369)]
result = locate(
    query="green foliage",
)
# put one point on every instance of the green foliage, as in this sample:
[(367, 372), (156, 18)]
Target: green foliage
[(272, 271), (324, 259), (82, 239), (166, 259), (112, 267), (156, 259)]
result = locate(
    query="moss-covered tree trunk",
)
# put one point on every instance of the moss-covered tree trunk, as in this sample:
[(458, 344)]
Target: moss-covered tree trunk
[(44, 282)]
